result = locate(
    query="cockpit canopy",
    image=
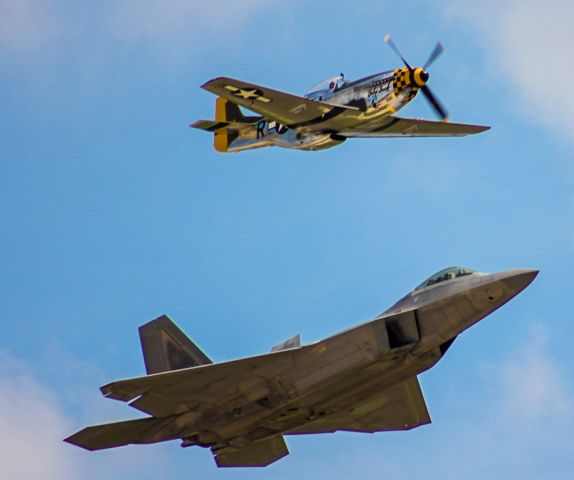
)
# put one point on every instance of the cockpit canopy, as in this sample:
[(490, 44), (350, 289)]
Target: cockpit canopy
[(326, 87), (446, 274)]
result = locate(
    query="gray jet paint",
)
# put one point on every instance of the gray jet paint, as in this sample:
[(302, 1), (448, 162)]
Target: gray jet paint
[(363, 379)]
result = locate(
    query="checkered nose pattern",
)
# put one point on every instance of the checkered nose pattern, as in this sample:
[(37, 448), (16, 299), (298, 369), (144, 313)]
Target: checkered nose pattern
[(409, 80)]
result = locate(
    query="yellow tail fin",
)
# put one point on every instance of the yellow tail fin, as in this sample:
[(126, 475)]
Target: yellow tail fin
[(221, 138)]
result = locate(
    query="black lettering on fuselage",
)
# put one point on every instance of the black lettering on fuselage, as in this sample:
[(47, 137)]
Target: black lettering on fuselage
[(380, 86)]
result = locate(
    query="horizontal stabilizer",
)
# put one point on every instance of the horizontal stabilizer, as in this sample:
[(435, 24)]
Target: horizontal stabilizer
[(259, 454), (214, 125), (165, 347), (110, 435)]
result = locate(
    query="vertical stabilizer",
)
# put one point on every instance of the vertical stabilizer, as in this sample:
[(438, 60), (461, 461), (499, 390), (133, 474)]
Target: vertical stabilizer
[(221, 138), (165, 347)]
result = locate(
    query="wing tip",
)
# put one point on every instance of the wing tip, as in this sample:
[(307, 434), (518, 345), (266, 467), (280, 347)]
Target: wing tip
[(76, 440), (482, 128), (110, 391), (212, 81)]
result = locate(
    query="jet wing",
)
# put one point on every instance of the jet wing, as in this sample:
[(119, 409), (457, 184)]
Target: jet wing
[(287, 109), (400, 407), (258, 454), (413, 127), (174, 392)]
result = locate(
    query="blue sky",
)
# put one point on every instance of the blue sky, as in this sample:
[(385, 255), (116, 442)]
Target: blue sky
[(113, 212)]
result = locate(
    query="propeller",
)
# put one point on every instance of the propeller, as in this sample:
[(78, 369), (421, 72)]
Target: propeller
[(391, 44), (434, 55), (430, 97)]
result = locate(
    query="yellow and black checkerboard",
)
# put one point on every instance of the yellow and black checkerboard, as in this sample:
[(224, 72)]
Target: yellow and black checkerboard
[(402, 81)]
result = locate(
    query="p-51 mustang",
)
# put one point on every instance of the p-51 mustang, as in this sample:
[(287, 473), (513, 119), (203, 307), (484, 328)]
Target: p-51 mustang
[(330, 112), (363, 379)]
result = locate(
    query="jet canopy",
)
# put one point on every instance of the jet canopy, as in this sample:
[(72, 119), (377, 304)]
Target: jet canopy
[(446, 274), (326, 86)]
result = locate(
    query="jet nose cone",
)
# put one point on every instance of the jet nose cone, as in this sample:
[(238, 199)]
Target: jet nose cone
[(518, 280)]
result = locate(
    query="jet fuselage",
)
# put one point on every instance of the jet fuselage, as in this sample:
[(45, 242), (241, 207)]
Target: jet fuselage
[(362, 379)]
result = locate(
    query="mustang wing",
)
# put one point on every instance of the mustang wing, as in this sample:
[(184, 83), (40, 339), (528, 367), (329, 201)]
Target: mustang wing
[(174, 392), (400, 407), (412, 127), (287, 109)]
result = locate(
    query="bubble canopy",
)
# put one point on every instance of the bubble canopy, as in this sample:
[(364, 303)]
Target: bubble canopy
[(446, 274), (331, 84)]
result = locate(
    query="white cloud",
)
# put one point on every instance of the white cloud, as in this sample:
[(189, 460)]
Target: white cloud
[(534, 387), (519, 426), (34, 420), (175, 30), (178, 20), (32, 426), (28, 27), (529, 43)]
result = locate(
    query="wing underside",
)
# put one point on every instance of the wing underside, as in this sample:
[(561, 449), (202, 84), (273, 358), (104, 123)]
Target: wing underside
[(400, 407), (412, 127), (174, 392)]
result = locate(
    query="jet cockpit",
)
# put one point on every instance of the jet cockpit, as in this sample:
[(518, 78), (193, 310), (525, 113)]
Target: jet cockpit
[(449, 273)]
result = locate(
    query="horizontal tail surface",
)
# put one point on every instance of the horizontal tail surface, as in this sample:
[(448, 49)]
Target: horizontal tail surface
[(228, 124), (111, 435)]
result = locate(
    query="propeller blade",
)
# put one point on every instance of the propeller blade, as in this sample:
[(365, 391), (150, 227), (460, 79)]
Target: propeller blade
[(391, 44), (438, 108), (434, 55)]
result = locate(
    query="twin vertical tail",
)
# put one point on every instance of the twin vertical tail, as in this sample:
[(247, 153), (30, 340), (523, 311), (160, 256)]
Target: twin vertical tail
[(165, 347)]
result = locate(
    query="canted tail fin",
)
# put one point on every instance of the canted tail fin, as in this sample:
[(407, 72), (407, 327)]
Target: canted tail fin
[(165, 347)]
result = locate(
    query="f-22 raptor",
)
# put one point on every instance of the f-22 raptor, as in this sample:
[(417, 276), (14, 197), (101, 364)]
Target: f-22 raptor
[(363, 379)]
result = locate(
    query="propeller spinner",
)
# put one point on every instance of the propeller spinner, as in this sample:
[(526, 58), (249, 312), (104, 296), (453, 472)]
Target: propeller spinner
[(421, 76)]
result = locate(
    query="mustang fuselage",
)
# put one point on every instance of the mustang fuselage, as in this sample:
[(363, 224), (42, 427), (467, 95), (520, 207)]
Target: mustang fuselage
[(327, 115), (375, 97)]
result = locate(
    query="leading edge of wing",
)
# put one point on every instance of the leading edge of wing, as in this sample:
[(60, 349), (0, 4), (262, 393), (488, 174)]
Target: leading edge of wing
[(128, 389), (286, 108), (414, 127)]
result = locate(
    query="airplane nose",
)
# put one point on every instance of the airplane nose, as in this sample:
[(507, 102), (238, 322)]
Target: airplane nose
[(518, 280), (421, 77)]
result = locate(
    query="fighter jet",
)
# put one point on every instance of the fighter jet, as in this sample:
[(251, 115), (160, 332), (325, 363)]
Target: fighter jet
[(329, 113), (363, 379)]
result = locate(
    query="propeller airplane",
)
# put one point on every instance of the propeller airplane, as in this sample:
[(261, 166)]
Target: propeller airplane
[(329, 113)]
